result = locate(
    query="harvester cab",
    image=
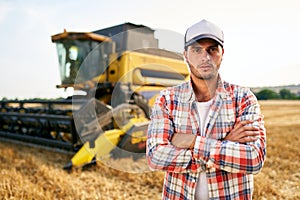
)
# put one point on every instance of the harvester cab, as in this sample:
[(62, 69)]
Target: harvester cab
[(72, 49)]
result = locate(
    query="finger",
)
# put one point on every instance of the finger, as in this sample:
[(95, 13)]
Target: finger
[(243, 123), (242, 128), (250, 128), (251, 133), (248, 139), (247, 134)]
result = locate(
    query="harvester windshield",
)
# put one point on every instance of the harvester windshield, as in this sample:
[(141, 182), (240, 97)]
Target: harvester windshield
[(73, 49)]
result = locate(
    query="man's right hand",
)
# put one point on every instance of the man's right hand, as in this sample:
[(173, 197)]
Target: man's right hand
[(243, 132)]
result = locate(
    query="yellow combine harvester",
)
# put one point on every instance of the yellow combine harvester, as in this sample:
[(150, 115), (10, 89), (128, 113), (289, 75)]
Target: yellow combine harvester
[(116, 74)]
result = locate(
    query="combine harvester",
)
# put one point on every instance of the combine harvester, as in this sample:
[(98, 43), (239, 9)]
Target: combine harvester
[(116, 74)]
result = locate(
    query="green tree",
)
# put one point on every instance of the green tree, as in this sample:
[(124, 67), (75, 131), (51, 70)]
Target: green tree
[(287, 94), (267, 94)]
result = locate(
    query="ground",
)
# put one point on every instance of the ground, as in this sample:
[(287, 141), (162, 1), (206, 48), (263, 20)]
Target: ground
[(34, 173)]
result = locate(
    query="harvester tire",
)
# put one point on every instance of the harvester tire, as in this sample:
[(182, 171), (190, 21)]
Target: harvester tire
[(141, 102)]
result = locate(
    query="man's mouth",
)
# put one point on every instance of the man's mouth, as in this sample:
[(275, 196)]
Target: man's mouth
[(205, 67)]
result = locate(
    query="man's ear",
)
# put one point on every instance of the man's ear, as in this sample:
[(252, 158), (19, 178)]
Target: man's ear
[(185, 55)]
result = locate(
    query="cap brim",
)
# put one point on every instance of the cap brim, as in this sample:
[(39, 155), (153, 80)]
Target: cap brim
[(204, 36)]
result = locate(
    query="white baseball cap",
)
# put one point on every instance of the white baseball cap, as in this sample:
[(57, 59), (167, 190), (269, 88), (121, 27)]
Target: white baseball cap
[(201, 30)]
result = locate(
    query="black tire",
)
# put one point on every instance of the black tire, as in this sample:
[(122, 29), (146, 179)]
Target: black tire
[(142, 102)]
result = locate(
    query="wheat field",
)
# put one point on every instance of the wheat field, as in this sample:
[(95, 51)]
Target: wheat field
[(35, 173)]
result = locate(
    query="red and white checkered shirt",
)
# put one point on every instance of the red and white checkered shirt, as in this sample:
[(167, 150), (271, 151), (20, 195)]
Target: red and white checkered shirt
[(229, 165)]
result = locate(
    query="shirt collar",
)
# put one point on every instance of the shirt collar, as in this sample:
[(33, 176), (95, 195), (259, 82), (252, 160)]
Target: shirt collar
[(190, 95)]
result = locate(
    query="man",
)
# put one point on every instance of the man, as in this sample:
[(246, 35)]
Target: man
[(206, 134)]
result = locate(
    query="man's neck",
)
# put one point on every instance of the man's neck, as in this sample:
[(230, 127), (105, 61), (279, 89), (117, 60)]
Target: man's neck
[(204, 89)]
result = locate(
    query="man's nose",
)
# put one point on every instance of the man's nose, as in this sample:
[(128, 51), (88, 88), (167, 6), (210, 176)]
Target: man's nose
[(204, 56)]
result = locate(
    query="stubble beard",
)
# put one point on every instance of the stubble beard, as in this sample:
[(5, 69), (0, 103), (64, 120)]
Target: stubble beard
[(203, 76)]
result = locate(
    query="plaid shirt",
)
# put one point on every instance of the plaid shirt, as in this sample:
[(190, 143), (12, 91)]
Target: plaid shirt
[(229, 165)]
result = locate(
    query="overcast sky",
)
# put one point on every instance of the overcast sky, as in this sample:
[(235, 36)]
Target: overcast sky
[(261, 37)]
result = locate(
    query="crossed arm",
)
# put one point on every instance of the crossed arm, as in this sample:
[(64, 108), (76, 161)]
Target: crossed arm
[(241, 151), (243, 132)]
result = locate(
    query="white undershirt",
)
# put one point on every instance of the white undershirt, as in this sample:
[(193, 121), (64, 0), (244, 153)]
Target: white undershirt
[(202, 185)]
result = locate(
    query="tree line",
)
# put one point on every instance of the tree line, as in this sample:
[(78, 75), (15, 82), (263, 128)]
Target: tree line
[(263, 94), (266, 94)]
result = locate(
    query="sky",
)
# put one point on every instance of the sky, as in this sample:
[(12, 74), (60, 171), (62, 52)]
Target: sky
[(261, 37)]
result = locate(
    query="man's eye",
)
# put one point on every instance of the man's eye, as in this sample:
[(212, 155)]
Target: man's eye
[(197, 50), (213, 50)]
